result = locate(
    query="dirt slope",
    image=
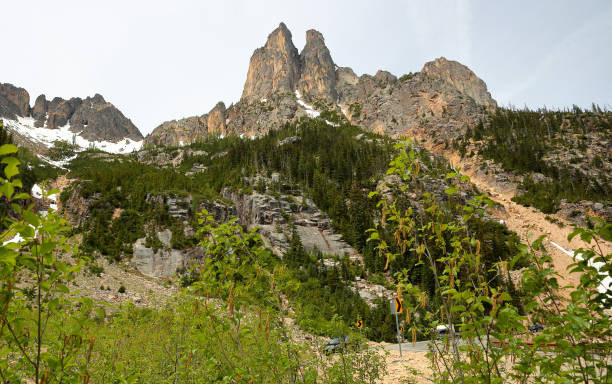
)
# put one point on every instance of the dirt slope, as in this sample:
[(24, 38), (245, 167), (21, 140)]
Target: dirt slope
[(527, 222)]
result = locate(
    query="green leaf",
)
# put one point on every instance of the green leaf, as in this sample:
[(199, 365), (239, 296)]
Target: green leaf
[(11, 168), (8, 149), (31, 218), (450, 190), (7, 190), (7, 256)]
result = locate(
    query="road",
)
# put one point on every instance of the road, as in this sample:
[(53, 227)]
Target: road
[(419, 346)]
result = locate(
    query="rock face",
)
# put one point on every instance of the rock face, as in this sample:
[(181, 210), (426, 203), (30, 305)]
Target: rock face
[(441, 100), (39, 112), (14, 101), (216, 119), (175, 132), (318, 75), (462, 78), (391, 106), (59, 112), (92, 118), (345, 77), (165, 261), (274, 68), (98, 119), (270, 215)]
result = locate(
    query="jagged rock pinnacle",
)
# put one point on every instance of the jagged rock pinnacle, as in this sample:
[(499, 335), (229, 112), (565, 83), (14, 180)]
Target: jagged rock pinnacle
[(274, 68), (318, 74)]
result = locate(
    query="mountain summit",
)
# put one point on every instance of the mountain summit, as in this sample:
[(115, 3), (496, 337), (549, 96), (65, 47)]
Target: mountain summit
[(274, 68), (93, 120), (283, 85)]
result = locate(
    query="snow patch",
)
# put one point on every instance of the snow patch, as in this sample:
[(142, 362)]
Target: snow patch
[(59, 164), (606, 281), (309, 110), (37, 191), (25, 127), (343, 110), (16, 239)]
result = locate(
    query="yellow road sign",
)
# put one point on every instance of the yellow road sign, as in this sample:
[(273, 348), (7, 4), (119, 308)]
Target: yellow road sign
[(359, 324), (399, 307)]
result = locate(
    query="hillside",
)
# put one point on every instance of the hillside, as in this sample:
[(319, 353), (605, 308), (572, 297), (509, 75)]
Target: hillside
[(231, 246)]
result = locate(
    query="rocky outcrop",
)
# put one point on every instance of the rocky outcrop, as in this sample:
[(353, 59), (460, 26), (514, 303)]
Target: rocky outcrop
[(442, 100), (165, 261), (97, 119), (177, 132), (274, 68), (39, 112), (391, 106), (93, 118), (462, 78), (59, 112), (77, 206), (346, 77), (216, 119), (257, 118), (318, 75), (274, 216), (14, 101)]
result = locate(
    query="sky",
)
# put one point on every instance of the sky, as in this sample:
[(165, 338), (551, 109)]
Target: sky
[(165, 60)]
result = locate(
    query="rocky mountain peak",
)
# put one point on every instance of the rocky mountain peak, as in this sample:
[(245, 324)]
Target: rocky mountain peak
[(318, 72), (314, 37), (14, 101), (92, 118), (216, 119), (461, 77), (274, 68)]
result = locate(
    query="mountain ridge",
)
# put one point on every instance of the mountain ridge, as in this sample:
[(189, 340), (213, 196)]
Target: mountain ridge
[(93, 119), (279, 77)]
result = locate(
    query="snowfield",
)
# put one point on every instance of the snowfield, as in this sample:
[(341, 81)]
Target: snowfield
[(309, 110), (46, 136)]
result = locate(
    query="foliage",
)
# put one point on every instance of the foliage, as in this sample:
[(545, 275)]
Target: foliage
[(62, 150), (525, 141), (492, 322), (41, 328), (228, 326), (129, 186), (31, 169)]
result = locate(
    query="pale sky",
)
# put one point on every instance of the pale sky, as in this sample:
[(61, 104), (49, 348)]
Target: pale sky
[(164, 60)]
